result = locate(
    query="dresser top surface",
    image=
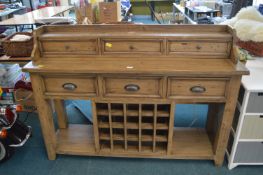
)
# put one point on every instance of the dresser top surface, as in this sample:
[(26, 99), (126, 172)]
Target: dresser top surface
[(135, 65), (254, 82)]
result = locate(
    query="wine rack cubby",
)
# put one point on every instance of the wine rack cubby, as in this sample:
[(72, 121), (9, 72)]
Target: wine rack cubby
[(133, 127)]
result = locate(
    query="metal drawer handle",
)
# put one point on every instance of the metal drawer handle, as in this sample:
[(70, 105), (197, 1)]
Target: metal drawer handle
[(69, 86), (198, 89), (132, 87)]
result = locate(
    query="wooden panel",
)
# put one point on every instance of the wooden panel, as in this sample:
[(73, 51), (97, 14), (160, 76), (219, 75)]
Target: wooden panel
[(199, 47), (84, 84), (252, 127), (146, 87), (132, 46), (184, 87), (87, 47)]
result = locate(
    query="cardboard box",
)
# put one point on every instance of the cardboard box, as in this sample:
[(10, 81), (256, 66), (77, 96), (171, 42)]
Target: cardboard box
[(110, 12), (88, 12)]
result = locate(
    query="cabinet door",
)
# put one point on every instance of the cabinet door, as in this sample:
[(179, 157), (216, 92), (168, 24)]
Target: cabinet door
[(252, 127), (249, 152)]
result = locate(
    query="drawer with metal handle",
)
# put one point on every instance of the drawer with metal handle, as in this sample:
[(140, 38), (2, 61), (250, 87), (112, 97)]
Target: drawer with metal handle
[(63, 84), (196, 87), (132, 87)]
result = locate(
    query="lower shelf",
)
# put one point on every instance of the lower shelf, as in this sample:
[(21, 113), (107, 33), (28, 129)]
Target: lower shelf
[(191, 143), (188, 143)]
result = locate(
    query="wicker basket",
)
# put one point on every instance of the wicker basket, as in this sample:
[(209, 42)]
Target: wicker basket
[(255, 48), (18, 48)]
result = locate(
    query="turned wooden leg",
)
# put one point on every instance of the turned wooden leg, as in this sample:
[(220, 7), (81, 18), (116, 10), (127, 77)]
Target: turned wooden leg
[(45, 116), (61, 113), (224, 129)]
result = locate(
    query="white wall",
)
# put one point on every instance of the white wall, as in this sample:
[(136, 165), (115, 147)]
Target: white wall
[(257, 2)]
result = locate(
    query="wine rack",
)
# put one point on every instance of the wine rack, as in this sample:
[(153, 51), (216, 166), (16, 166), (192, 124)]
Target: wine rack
[(133, 127)]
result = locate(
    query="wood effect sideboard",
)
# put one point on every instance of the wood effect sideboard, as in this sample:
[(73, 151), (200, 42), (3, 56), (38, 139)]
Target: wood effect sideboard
[(135, 75)]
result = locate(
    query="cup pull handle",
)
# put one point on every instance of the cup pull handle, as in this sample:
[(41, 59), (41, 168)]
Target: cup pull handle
[(132, 87), (197, 89), (69, 86)]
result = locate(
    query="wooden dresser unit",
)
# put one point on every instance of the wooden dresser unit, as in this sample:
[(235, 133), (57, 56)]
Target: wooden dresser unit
[(135, 75)]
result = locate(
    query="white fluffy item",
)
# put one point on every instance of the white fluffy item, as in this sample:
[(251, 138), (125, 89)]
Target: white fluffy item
[(248, 24)]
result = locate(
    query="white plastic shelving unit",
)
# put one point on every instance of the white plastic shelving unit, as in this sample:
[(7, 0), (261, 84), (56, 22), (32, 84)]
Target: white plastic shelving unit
[(245, 145)]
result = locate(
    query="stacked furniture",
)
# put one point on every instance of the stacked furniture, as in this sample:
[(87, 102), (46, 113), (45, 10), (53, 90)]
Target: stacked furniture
[(135, 75), (246, 140)]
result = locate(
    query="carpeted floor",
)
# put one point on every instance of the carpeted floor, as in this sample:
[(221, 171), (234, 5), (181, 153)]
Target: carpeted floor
[(32, 159)]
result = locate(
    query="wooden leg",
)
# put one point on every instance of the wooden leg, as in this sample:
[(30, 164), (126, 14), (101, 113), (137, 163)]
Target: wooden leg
[(61, 114), (45, 116), (228, 115)]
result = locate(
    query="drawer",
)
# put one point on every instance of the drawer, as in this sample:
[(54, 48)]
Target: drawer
[(255, 103), (252, 127), (133, 86), (194, 87), (249, 152), (85, 85), (85, 47), (111, 46), (199, 47)]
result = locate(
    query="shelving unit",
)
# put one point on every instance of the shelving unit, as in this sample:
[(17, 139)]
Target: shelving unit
[(246, 140)]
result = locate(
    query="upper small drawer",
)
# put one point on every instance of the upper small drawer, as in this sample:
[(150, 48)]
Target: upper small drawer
[(194, 87), (206, 48), (132, 86), (68, 85), (81, 47), (134, 46)]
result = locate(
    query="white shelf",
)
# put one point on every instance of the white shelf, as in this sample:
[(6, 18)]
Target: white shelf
[(250, 140), (245, 148)]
